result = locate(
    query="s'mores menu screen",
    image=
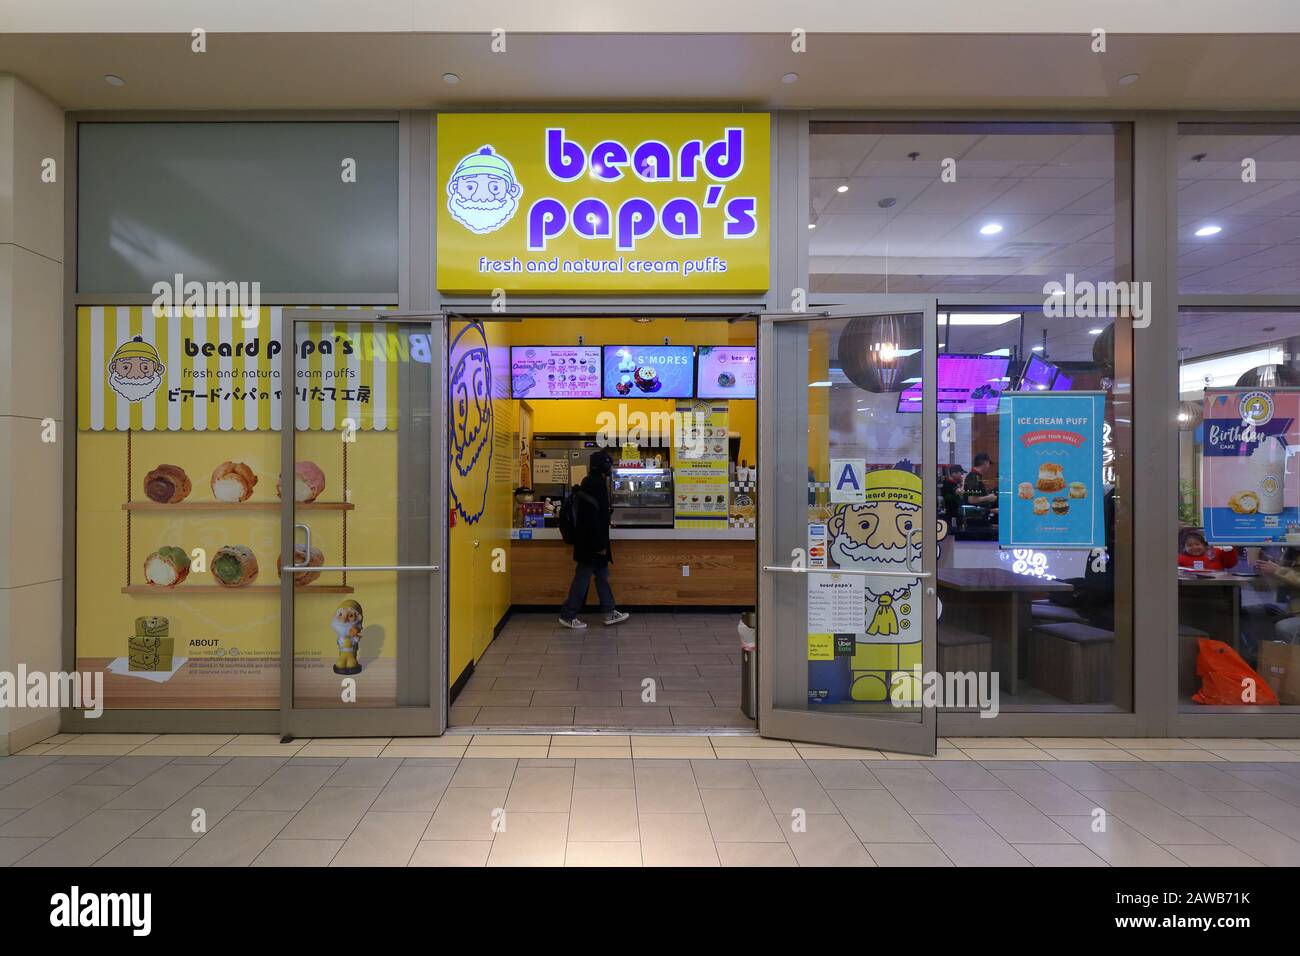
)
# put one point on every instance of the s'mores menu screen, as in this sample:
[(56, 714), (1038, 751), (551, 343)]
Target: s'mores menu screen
[(649, 371)]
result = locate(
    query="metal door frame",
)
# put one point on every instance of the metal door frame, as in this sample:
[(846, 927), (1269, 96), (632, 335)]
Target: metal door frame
[(359, 721), (843, 729)]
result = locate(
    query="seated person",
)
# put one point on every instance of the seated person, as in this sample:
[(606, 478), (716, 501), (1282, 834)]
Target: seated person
[(1285, 575), (1195, 552), (950, 490), (977, 492)]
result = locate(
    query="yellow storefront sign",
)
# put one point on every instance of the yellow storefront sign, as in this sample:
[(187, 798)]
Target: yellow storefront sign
[(141, 370), (606, 202)]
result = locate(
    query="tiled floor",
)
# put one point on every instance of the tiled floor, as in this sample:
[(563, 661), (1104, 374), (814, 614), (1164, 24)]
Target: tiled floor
[(540, 674), (601, 800)]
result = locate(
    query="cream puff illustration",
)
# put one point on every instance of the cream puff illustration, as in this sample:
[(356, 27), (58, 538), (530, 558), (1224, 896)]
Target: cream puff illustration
[(233, 482), (1050, 476), (1078, 489), (308, 482), (166, 567), (167, 484), (1040, 506), (1244, 502), (234, 566), (1025, 490), (1061, 505)]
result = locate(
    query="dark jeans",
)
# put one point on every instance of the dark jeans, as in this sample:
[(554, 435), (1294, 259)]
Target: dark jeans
[(578, 590)]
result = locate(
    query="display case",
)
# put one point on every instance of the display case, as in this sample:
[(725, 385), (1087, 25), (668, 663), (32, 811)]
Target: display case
[(641, 497)]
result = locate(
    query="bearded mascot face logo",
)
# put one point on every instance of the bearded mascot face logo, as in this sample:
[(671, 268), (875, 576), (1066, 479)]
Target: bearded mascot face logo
[(470, 451), (482, 193), (135, 371)]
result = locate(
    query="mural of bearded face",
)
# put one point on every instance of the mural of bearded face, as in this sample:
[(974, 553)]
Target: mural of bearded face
[(470, 389), (876, 534), (135, 378)]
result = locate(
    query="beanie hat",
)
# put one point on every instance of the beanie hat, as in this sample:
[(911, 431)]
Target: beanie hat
[(484, 163), (135, 348)]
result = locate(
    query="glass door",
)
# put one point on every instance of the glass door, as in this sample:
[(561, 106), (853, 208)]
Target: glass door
[(848, 531), (363, 518)]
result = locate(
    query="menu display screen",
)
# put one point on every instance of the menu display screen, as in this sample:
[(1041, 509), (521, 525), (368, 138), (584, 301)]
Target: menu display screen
[(649, 371), (1037, 376), (726, 371), (555, 371), (965, 383), (1063, 382)]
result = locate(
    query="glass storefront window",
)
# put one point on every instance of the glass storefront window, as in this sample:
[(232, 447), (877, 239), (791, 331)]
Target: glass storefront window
[(962, 207), (1238, 209), (1238, 510), (1059, 618)]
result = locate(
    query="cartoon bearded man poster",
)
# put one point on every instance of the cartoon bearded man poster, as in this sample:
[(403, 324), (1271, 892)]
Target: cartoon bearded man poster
[(882, 533)]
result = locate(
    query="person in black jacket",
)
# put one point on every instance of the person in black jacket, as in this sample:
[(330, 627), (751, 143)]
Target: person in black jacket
[(591, 548)]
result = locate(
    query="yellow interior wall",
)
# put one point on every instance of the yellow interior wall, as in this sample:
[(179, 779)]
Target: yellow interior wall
[(819, 405), (479, 597)]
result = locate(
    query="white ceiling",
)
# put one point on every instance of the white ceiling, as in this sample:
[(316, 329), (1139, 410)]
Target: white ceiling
[(1054, 195)]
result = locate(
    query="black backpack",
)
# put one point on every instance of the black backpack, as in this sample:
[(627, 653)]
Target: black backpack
[(571, 522)]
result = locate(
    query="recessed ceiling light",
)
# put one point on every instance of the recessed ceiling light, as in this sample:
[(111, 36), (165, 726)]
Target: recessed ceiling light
[(1128, 79), (812, 225), (1209, 231), (790, 78), (1096, 331), (451, 79), (990, 229), (887, 202), (1036, 348), (841, 188), (112, 79)]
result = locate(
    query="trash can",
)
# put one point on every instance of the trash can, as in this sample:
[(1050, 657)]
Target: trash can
[(748, 630)]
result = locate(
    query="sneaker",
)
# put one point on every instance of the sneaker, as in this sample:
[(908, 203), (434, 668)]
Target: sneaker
[(616, 617), (574, 623)]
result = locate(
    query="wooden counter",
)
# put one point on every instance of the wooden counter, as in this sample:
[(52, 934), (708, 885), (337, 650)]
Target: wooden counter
[(647, 570)]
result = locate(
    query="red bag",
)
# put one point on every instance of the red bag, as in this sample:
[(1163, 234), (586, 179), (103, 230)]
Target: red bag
[(1223, 673)]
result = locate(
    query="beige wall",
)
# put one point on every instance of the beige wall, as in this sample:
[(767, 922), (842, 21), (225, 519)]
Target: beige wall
[(31, 390)]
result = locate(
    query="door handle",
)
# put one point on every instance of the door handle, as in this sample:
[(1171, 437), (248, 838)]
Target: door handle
[(860, 574), (306, 531), (908, 560), (364, 567)]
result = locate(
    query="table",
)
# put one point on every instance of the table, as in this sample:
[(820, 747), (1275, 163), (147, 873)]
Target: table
[(1203, 604), (995, 601)]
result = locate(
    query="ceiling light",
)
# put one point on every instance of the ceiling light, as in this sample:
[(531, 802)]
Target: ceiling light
[(1209, 231), (887, 202), (1096, 331), (790, 78), (112, 79), (819, 384), (812, 225), (1128, 79), (1036, 348), (451, 79), (977, 318), (842, 188), (990, 229)]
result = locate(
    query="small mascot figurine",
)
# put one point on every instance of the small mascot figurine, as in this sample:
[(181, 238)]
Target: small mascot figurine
[(347, 625)]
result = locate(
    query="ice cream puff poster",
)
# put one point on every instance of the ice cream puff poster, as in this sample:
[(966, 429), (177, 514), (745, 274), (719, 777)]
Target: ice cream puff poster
[(1049, 484), (1250, 486)]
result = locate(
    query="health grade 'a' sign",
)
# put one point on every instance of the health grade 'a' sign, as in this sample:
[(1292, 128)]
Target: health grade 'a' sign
[(597, 203)]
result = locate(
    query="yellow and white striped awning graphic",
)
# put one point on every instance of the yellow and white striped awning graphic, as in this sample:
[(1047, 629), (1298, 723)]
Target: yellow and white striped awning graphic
[(345, 370)]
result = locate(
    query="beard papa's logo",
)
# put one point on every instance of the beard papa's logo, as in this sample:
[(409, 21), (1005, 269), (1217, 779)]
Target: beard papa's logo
[(135, 371), (482, 193)]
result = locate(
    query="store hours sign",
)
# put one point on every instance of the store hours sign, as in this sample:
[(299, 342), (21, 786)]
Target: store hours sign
[(599, 203)]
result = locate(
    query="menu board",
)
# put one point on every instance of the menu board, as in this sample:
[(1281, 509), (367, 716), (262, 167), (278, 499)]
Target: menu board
[(555, 371), (1050, 491), (963, 383), (649, 371), (700, 458), (726, 371)]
